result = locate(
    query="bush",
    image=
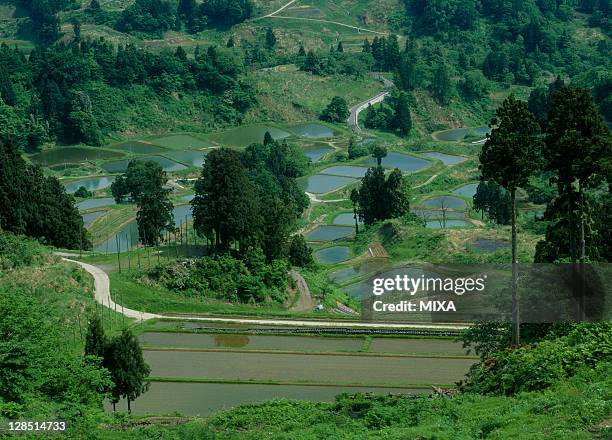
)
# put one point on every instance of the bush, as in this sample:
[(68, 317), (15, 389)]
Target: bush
[(17, 251), (82, 192)]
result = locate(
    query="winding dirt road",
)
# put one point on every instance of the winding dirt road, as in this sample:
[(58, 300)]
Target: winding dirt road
[(103, 297)]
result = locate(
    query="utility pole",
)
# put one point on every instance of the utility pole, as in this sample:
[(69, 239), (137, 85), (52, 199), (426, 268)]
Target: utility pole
[(118, 243)]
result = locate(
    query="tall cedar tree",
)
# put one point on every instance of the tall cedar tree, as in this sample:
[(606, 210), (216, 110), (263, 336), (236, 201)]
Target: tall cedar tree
[(154, 215), (379, 152), (225, 207), (128, 368), (95, 340), (511, 154), (402, 120), (270, 39)]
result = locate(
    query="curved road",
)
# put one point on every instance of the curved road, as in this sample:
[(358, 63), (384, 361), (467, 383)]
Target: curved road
[(353, 119), (103, 297)]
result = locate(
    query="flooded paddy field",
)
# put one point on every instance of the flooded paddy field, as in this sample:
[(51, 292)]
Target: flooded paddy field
[(304, 368), (333, 254), (417, 346), (249, 342), (202, 399)]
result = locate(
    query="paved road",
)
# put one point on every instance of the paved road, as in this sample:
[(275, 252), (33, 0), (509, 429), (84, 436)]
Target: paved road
[(102, 296), (353, 119)]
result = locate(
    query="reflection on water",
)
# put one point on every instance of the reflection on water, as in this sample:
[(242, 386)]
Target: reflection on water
[(233, 341)]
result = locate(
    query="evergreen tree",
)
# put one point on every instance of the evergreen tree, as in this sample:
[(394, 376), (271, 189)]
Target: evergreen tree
[(128, 368), (155, 215), (402, 120), (95, 339), (494, 200), (366, 48), (186, 11), (7, 93), (299, 253), (340, 48), (301, 51), (230, 42), (512, 154), (442, 86), (270, 39), (372, 202), (396, 195), (268, 139)]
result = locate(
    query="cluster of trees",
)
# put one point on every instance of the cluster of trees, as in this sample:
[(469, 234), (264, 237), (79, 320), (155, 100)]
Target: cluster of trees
[(37, 205), (336, 61), (385, 51), (43, 17), (392, 114), (575, 146), (336, 111), (145, 182), (247, 278), (122, 357), (250, 199), (76, 93), (379, 198), (492, 199)]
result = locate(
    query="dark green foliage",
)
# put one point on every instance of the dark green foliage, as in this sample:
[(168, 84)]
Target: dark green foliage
[(535, 368), (82, 192), (17, 251), (334, 62), (154, 215), (95, 339), (36, 205), (140, 177), (270, 41), (402, 120), (7, 93), (379, 152), (442, 86), (494, 200), (226, 12), (123, 358), (221, 276), (474, 86), (379, 198), (393, 114), (357, 149), (299, 253), (336, 111), (151, 17)]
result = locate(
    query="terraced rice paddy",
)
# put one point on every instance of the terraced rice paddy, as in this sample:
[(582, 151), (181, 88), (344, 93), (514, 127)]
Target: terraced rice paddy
[(312, 131), (137, 147), (321, 183), (447, 159), (72, 155), (328, 368), (443, 202), (190, 157), (250, 342), (95, 203), (417, 346), (358, 270), (486, 245), (333, 254), (458, 134), (405, 162), (346, 218), (120, 166), (243, 136), (330, 233), (91, 216), (345, 170), (91, 184), (180, 141), (316, 153), (202, 399), (449, 223), (467, 190)]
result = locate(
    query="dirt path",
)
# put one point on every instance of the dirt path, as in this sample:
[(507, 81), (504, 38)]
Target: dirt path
[(427, 182), (304, 302)]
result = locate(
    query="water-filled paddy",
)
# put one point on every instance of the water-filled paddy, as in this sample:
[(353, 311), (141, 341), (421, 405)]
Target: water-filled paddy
[(188, 197), (120, 166), (430, 214), (180, 141), (190, 157), (91, 216), (61, 155), (95, 203), (345, 170), (91, 183), (137, 147), (250, 342), (202, 399), (449, 223), (330, 233), (321, 183), (447, 159), (312, 130), (247, 135), (404, 162), (125, 239), (346, 218), (442, 202), (467, 190), (458, 134), (333, 254), (417, 346), (327, 368), (360, 269), (316, 153)]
